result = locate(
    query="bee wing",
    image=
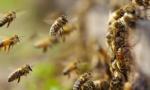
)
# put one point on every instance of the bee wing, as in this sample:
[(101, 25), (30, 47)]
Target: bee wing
[(20, 13), (51, 17), (48, 21), (1, 39), (11, 70)]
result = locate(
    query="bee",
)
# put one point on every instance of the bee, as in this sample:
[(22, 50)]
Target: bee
[(89, 85), (70, 68), (68, 29), (143, 3), (57, 27), (23, 71), (81, 80), (130, 9), (45, 43), (130, 20), (116, 15), (110, 35), (7, 18), (7, 43)]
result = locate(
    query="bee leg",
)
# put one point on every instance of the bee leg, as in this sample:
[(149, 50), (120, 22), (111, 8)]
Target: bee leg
[(45, 49), (64, 39), (5, 48), (77, 72), (18, 79), (8, 48), (69, 75), (61, 34), (9, 23)]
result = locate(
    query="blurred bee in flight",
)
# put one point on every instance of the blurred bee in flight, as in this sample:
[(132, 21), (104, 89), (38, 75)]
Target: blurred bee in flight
[(23, 71), (45, 43), (57, 27), (8, 42), (73, 66), (7, 18)]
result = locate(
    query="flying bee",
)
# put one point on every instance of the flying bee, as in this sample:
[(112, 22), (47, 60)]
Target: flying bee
[(81, 80), (57, 27), (23, 71), (45, 43), (70, 68), (7, 43), (7, 18)]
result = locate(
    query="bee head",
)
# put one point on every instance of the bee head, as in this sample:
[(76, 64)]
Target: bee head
[(16, 38), (64, 18), (28, 67), (64, 72), (13, 13)]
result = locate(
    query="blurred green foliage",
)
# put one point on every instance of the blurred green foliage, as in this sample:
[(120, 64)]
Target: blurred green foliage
[(9, 4), (43, 78)]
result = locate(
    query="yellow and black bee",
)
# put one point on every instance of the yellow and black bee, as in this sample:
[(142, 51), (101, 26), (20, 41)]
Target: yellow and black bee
[(81, 80), (70, 68), (7, 18), (57, 26), (23, 71), (8, 42)]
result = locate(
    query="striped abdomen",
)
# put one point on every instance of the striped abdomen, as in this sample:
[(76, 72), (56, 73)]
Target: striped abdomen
[(58, 24), (17, 74), (3, 21)]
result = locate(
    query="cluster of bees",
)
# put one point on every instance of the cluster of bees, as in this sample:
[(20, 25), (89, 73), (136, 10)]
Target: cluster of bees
[(118, 70), (121, 22), (117, 66), (84, 82)]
